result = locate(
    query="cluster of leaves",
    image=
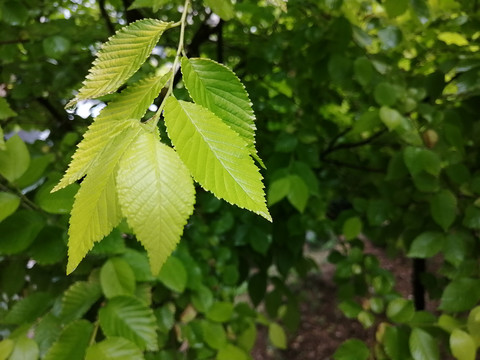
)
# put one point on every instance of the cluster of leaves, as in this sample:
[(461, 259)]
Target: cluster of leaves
[(366, 123)]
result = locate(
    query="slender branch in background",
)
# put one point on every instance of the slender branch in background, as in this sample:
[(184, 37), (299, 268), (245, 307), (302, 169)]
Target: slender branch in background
[(335, 139), (333, 148), (103, 12), (131, 15), (14, 41), (62, 122), (220, 41), (26, 202), (353, 166)]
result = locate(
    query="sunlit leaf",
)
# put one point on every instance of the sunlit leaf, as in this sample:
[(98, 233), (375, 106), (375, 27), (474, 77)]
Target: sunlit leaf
[(215, 155), (120, 57), (156, 195)]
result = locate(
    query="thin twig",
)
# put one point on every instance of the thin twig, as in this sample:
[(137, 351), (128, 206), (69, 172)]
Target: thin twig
[(14, 41), (106, 17), (353, 166), (331, 149)]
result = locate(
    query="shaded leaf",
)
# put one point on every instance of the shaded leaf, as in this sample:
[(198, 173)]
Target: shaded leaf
[(14, 160), (78, 299), (443, 208), (117, 278), (460, 295), (130, 318), (426, 244), (423, 346), (114, 348), (173, 274), (352, 349), (8, 204), (72, 343)]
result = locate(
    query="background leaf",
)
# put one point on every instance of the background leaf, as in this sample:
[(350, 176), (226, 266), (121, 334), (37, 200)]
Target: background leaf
[(423, 346), (117, 278), (443, 208), (78, 299), (114, 348), (128, 317), (14, 160), (72, 343)]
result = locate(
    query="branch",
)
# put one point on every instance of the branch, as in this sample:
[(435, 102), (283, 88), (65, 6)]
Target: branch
[(62, 122), (220, 41), (15, 41), (108, 22), (333, 148), (353, 166)]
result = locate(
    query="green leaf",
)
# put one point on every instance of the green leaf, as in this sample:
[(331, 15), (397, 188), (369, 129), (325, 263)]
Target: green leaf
[(473, 324), (385, 94), (29, 308), (120, 57), (248, 337), (49, 246), (352, 227), (96, 210), (114, 348), (472, 217), (390, 117), (25, 349), (19, 231), (14, 160), (35, 171), (78, 299), (214, 334), (278, 190), (6, 348), (3, 146), (363, 70), (277, 336), (396, 8), (156, 194), (395, 342), (131, 103), (418, 160), (452, 38), (5, 110), (217, 88), (460, 295), (55, 46), (423, 346), (298, 193), (462, 345), (59, 202), (215, 155), (220, 311), (232, 352), (173, 274), (400, 310), (282, 4), (352, 349), (8, 204), (443, 208), (202, 298), (130, 318), (117, 278), (47, 331), (72, 343), (426, 245), (223, 8)]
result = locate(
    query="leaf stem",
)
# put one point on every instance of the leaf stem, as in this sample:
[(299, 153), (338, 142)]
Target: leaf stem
[(180, 51), (94, 333)]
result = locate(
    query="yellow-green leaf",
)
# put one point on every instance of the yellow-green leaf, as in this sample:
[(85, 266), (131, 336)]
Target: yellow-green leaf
[(223, 8), (96, 211), (216, 156), (14, 160), (156, 195), (131, 103), (453, 38), (120, 57)]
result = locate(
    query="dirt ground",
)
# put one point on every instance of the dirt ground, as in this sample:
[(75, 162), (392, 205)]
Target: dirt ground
[(323, 327)]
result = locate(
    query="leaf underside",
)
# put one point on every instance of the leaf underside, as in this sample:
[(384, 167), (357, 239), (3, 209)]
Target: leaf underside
[(216, 156), (120, 57), (156, 194)]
